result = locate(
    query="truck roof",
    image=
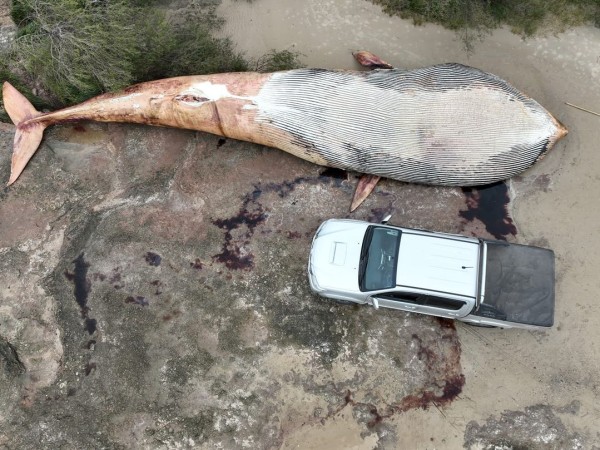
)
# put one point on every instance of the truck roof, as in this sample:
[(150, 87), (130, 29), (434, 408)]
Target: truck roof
[(443, 264)]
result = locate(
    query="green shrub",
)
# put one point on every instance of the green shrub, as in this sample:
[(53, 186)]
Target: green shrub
[(472, 19), (534, 16), (277, 60), (196, 51), (186, 45), (20, 13), (7, 75), (75, 49)]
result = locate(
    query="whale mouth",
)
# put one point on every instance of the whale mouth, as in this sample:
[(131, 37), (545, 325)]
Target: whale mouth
[(561, 131)]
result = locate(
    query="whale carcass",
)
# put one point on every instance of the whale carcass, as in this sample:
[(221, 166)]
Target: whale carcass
[(447, 124)]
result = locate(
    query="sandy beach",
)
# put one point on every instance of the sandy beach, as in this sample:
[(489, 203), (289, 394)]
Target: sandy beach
[(554, 203)]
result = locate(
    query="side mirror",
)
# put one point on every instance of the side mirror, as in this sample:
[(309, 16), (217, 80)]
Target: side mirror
[(386, 219)]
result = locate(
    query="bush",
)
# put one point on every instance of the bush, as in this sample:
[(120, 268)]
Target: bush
[(277, 60), (472, 19), (533, 16), (72, 50), (75, 50), (7, 75)]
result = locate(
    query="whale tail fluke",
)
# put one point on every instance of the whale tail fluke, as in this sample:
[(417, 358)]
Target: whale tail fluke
[(29, 133)]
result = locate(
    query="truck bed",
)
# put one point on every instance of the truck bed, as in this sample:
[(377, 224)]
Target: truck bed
[(519, 284)]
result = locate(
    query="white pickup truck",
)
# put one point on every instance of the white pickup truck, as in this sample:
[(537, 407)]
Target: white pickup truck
[(480, 281)]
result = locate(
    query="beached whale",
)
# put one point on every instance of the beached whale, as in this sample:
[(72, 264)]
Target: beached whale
[(447, 124)]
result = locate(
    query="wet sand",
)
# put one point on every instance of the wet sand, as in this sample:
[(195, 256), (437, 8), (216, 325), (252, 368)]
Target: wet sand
[(554, 205)]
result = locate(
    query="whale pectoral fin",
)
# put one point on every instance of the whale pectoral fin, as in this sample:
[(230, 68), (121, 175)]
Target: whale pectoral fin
[(370, 60), (365, 186)]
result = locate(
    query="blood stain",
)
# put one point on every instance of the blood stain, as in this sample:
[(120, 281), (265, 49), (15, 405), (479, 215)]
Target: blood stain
[(82, 286), (153, 259), (137, 300), (89, 368), (337, 175), (489, 204)]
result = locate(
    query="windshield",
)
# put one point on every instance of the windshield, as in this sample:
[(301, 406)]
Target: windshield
[(378, 259)]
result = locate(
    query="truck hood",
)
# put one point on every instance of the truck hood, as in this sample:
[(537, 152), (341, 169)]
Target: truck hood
[(335, 255)]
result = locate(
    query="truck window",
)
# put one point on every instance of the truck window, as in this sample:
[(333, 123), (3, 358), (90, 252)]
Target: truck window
[(379, 258), (425, 300), (400, 297), (440, 302)]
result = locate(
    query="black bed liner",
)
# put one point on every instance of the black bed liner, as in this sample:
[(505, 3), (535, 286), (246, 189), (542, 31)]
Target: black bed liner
[(519, 284)]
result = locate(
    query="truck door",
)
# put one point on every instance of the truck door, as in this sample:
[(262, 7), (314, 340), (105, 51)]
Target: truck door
[(423, 303), (395, 300)]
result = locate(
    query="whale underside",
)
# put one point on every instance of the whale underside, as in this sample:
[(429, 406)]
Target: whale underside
[(447, 124)]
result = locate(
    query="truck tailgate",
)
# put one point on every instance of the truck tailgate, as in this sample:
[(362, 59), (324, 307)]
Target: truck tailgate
[(519, 284)]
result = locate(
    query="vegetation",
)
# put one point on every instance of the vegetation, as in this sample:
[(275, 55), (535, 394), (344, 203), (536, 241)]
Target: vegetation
[(71, 50), (472, 19), (276, 60)]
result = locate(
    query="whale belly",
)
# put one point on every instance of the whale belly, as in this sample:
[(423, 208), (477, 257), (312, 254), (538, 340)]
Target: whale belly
[(446, 125)]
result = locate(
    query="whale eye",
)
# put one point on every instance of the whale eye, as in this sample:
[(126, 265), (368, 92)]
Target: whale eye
[(191, 99)]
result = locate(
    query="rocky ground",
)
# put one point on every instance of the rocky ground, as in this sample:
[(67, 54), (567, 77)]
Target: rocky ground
[(7, 27), (154, 293), (153, 287)]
